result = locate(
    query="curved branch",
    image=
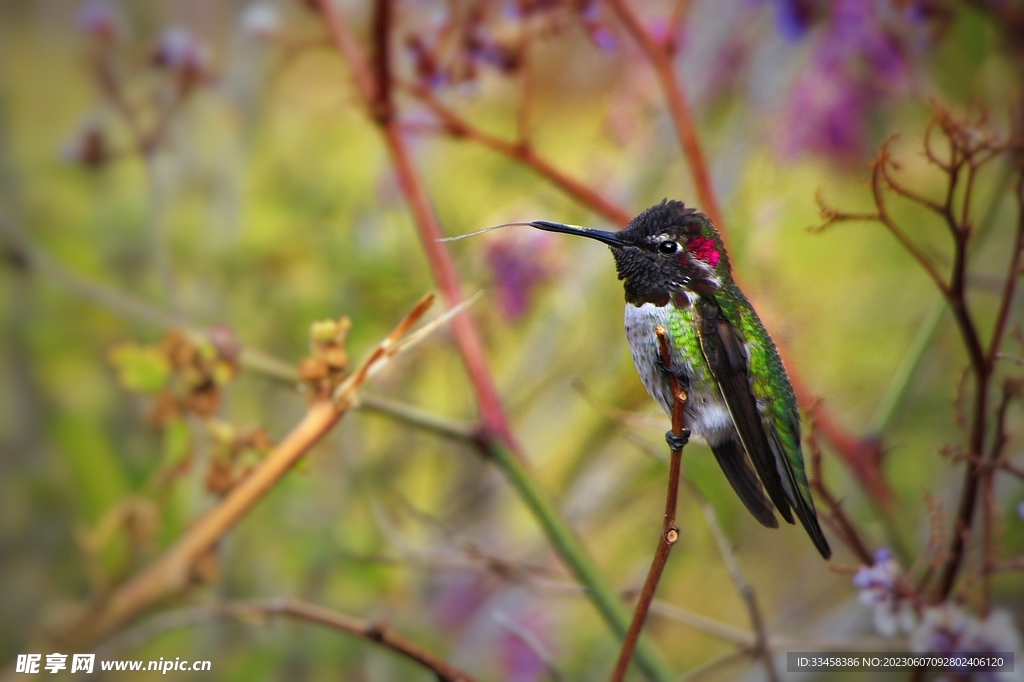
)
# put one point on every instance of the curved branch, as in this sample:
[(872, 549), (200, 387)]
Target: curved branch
[(173, 571), (459, 128), (283, 607), (669, 532), (660, 58)]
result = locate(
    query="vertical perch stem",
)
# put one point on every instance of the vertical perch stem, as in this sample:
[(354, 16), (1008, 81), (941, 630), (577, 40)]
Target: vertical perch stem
[(669, 531)]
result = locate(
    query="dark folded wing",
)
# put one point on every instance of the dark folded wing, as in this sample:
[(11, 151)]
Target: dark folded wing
[(744, 481), (727, 358)]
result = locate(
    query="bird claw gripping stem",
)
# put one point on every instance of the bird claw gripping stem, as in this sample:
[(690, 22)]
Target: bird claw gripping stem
[(677, 442)]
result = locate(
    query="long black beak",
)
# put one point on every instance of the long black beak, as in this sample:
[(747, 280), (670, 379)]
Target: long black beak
[(609, 238)]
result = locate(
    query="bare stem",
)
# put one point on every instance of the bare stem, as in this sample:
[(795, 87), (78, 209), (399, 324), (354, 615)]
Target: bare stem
[(847, 531), (521, 151), (660, 57), (761, 647), (284, 607), (669, 531), (983, 364), (495, 436), (467, 338), (172, 572)]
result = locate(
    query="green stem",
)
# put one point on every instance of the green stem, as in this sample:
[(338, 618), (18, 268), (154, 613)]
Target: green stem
[(897, 389), (576, 557), (566, 544)]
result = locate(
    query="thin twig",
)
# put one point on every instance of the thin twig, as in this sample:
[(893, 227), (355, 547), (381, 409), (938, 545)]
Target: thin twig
[(1010, 286), (256, 360), (885, 219), (848, 532), (983, 364), (248, 611), (660, 58), (862, 455), (669, 531), (494, 436), (926, 333), (173, 570), (531, 641), (988, 549), (458, 128), (464, 331), (760, 648)]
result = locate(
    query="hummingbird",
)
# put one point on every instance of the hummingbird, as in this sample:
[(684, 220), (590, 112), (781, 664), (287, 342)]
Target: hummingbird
[(676, 275)]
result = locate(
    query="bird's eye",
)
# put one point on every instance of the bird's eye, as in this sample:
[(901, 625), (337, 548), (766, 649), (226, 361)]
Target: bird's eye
[(668, 247)]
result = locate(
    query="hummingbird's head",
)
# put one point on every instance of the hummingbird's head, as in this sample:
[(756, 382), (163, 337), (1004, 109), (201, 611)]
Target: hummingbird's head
[(668, 250)]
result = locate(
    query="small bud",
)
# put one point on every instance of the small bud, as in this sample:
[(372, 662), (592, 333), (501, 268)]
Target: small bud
[(222, 432), (164, 409), (89, 147), (336, 358), (312, 369), (260, 440), (223, 338), (205, 402), (179, 51), (323, 331)]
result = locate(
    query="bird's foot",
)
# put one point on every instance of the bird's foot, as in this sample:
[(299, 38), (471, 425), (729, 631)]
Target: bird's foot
[(677, 442)]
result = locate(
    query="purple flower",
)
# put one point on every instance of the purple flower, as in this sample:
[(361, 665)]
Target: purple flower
[(603, 38), (949, 629), (878, 585), (598, 30), (460, 598), (794, 17), (1020, 510), (178, 50), (518, 263), (99, 19), (480, 47), (855, 65), (520, 661)]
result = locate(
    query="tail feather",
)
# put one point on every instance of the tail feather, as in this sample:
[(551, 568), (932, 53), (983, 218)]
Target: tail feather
[(740, 474), (804, 508), (799, 496), (809, 520)]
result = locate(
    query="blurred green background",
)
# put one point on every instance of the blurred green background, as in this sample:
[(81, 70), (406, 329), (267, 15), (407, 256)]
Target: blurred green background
[(270, 203)]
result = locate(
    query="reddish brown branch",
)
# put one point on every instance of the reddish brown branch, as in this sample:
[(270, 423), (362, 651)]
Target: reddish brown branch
[(988, 548), (660, 57), (1010, 286), (877, 191), (847, 531), (464, 331), (174, 570), (862, 455), (983, 364), (382, 106), (522, 152), (262, 610), (377, 632), (761, 646), (669, 531)]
